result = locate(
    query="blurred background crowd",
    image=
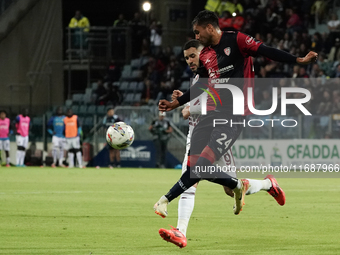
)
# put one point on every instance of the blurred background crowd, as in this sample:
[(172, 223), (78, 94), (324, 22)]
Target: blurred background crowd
[(162, 67)]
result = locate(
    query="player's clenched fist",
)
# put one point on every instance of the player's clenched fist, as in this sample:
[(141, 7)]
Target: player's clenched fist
[(165, 105), (176, 94), (309, 58)]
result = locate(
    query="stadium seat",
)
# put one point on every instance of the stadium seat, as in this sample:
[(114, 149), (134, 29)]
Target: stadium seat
[(126, 75), (77, 98), (140, 86), (184, 85), (135, 63), (127, 68), (101, 110), (92, 109), (145, 60), (83, 110), (94, 85), (106, 85), (88, 91), (116, 83), (88, 121), (136, 74), (75, 109), (124, 86), (81, 120), (129, 98), (68, 103), (137, 97), (132, 86), (87, 99), (177, 50)]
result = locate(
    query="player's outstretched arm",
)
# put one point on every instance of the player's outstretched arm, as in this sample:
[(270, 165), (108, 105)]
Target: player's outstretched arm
[(283, 56)]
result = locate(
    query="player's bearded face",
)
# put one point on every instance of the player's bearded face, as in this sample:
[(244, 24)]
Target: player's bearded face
[(191, 56), (203, 34)]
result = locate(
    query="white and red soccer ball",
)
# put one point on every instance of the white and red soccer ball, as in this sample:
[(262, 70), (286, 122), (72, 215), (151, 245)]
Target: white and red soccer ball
[(120, 135)]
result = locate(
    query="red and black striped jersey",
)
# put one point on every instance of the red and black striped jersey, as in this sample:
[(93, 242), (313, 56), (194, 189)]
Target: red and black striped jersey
[(230, 58)]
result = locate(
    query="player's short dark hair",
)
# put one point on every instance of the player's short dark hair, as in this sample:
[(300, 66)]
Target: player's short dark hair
[(204, 18), (192, 43), (3, 111), (109, 108)]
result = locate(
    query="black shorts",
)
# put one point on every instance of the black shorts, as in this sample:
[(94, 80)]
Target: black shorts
[(219, 138)]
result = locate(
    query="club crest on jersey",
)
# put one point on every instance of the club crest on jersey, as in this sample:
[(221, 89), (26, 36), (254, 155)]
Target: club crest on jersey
[(227, 51), (249, 40)]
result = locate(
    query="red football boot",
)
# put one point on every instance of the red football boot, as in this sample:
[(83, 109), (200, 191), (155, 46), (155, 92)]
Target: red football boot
[(173, 236), (276, 191)]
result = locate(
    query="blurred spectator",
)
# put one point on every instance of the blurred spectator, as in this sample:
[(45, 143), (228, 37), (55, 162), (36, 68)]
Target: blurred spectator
[(334, 23), (337, 71), (249, 24), (334, 54), (319, 9), (113, 72), (334, 27), (81, 26), (138, 33), (161, 130), (271, 21), (108, 121), (113, 96), (325, 64), (119, 37), (238, 21), (336, 101), (212, 5), (286, 41), (100, 93), (145, 49), (294, 22), (266, 101), (325, 107), (120, 22), (316, 42), (226, 22), (231, 6), (155, 36), (171, 79)]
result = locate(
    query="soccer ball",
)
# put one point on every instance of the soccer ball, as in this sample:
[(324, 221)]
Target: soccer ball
[(120, 135)]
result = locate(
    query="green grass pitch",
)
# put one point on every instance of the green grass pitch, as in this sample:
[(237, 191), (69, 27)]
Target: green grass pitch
[(104, 211)]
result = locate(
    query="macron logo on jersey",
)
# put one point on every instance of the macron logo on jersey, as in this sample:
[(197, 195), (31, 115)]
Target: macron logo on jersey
[(207, 61)]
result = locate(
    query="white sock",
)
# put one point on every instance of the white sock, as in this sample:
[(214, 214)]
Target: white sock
[(54, 155), (70, 159), (22, 158), (79, 158), (185, 207), (18, 157), (61, 156), (257, 185), (7, 161)]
